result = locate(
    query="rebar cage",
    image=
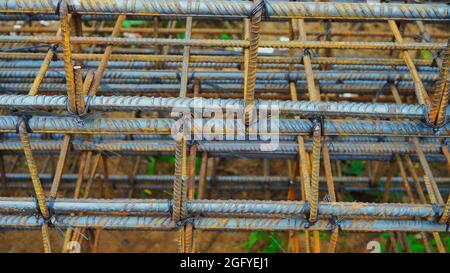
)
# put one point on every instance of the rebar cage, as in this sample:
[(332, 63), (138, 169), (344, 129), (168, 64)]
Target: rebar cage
[(82, 83)]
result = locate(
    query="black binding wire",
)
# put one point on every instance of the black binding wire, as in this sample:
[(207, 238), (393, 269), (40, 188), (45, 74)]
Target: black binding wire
[(54, 48), (436, 127), (306, 211), (187, 220), (85, 112), (436, 210), (58, 7)]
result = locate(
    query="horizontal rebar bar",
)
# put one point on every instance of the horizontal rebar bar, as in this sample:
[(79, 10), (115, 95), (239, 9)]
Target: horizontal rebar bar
[(232, 8), (218, 61), (121, 186), (146, 30), (113, 65), (224, 89)]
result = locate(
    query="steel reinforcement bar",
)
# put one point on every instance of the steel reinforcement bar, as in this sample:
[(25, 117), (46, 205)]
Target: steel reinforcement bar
[(224, 208), (239, 147), (304, 108)]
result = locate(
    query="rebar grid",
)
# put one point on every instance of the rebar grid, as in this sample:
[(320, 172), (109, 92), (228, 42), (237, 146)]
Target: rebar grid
[(341, 94)]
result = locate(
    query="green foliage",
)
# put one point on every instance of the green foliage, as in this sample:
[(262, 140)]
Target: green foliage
[(271, 241), (286, 116), (198, 163), (355, 168), (145, 194), (132, 23), (180, 35), (225, 36), (426, 54), (376, 195), (168, 158)]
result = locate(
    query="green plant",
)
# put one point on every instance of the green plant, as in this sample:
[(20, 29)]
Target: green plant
[(426, 54), (355, 168), (168, 159), (180, 35), (225, 36), (151, 165), (272, 242), (416, 245), (145, 193), (385, 236), (325, 236), (198, 163)]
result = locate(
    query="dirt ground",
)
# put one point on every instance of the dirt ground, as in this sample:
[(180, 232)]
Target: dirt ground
[(154, 242), (209, 241)]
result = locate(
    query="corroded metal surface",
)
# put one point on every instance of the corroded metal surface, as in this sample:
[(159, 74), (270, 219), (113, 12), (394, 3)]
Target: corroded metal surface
[(81, 84)]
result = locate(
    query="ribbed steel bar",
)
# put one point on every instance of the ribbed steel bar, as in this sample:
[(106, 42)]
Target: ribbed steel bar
[(226, 90), (231, 75), (217, 61), (71, 124), (235, 147), (223, 43), (124, 103), (114, 65), (439, 103), (146, 180), (221, 224), (239, 8)]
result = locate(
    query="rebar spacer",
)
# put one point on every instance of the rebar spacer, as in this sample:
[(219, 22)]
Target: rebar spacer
[(306, 210), (186, 220), (436, 210), (85, 112), (50, 220), (317, 121), (336, 223), (53, 48), (169, 203)]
